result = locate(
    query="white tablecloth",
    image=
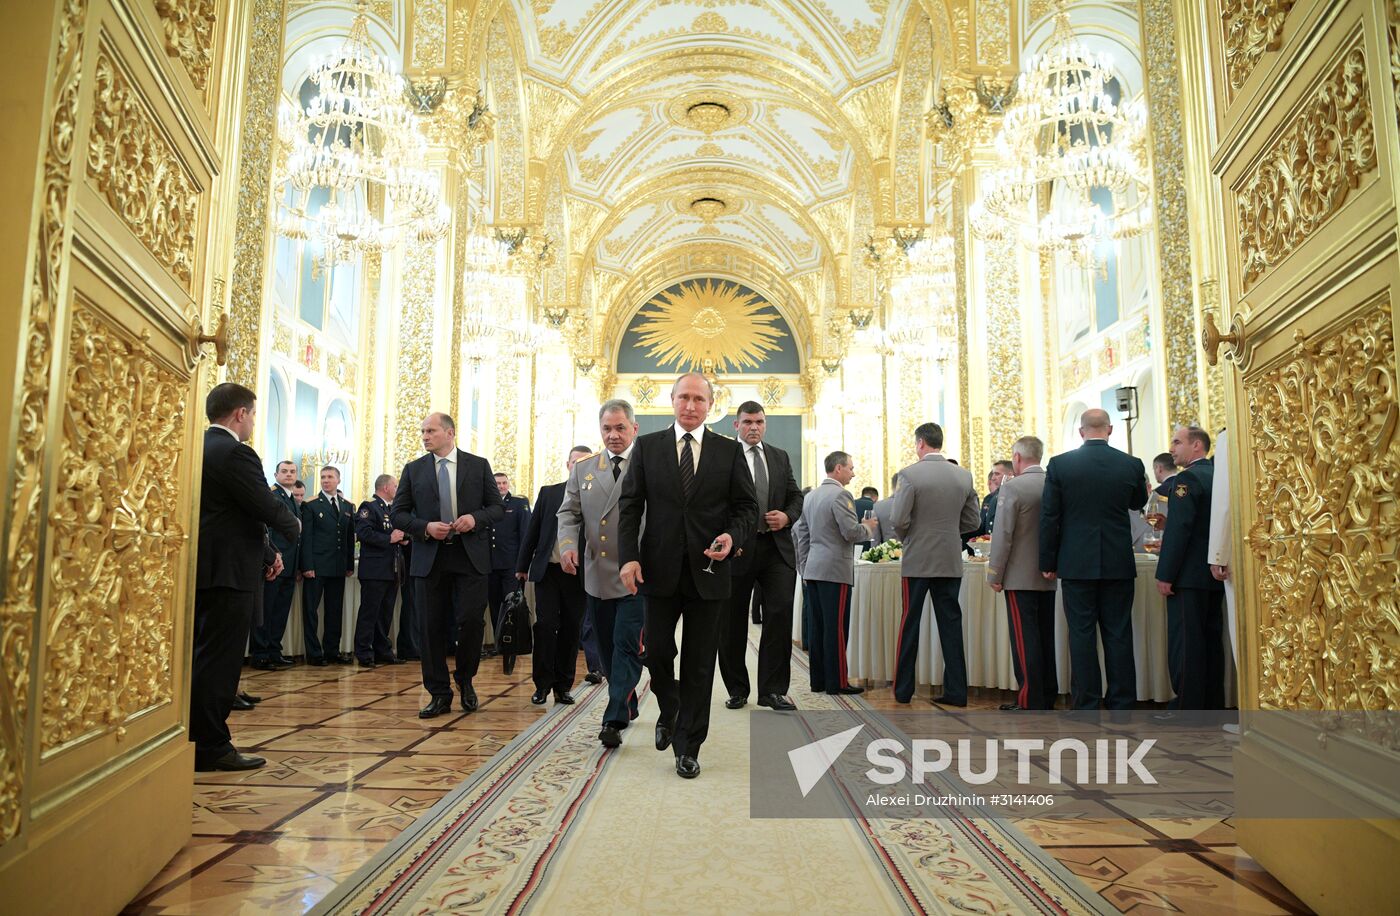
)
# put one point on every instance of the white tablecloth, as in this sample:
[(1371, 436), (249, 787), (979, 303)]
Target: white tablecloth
[(876, 607)]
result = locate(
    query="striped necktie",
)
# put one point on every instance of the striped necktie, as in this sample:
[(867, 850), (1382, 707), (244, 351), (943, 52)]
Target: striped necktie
[(687, 465)]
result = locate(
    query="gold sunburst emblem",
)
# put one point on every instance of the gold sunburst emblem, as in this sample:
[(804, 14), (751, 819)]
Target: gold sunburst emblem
[(711, 320)]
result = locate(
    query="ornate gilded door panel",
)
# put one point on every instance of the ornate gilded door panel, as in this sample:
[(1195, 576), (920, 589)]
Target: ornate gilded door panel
[(1307, 161), (101, 496)]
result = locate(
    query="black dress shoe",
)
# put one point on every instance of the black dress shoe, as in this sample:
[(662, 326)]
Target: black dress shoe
[(850, 691), (774, 701), (563, 697), (389, 660), (1009, 707), (469, 701), (364, 663), (663, 737), (736, 702), (687, 767), (538, 697), (610, 736), (263, 664), (283, 661), (248, 698), (231, 761), (317, 662), (593, 677), (241, 704), (946, 700), (345, 658), (436, 707)]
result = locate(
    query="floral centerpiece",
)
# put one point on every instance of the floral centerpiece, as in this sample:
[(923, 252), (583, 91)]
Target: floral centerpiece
[(884, 553)]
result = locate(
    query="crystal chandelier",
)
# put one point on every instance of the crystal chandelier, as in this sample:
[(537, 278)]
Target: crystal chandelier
[(357, 141), (1065, 127), (923, 301), (485, 285)]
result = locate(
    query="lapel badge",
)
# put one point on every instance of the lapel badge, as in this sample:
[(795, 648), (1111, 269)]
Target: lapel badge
[(1180, 491), (588, 477)]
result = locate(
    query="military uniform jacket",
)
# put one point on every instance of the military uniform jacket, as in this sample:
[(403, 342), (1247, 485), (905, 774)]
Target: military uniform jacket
[(287, 548), (588, 522), (379, 559), (327, 537), (933, 506), (825, 533), (508, 534), (1184, 560), (1085, 532), (1015, 555), (989, 513)]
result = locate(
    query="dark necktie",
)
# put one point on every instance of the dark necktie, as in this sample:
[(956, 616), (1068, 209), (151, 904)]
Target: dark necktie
[(687, 465), (760, 483), (617, 466), (444, 492)]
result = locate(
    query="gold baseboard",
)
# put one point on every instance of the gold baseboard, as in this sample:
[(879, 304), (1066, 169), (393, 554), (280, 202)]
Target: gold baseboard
[(84, 860), (1334, 866)]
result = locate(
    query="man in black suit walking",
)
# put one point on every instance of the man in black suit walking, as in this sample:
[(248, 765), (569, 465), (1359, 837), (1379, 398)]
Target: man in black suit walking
[(559, 596), (235, 560), (767, 561), (506, 536), (266, 643), (446, 503), (695, 492), (381, 568), (1086, 541), (327, 558)]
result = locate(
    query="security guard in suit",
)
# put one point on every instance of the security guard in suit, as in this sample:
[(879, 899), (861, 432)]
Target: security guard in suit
[(506, 537), (381, 570), (326, 557), (277, 593), (1195, 622)]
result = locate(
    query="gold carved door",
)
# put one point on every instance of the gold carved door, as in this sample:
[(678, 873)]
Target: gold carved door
[(107, 167), (1307, 158)]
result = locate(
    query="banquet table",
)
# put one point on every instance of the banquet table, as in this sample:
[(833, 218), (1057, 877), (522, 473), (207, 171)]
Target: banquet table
[(876, 607)]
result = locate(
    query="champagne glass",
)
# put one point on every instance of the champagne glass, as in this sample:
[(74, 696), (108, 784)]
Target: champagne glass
[(711, 568)]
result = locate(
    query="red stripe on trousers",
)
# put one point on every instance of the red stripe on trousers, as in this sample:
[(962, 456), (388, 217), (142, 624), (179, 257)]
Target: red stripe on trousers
[(1022, 695)]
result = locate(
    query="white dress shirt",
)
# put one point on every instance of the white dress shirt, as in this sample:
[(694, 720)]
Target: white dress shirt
[(698, 434), (451, 475), (225, 429), (749, 456)]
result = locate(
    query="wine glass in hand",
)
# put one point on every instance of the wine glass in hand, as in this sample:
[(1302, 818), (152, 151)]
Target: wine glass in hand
[(714, 546)]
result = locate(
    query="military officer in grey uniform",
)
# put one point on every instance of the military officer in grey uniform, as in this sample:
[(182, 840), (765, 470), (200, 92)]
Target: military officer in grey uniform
[(588, 529), (935, 507), (823, 536), (884, 514)]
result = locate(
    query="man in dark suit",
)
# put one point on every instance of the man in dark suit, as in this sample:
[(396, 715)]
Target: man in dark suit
[(559, 596), (1086, 541), (506, 536), (410, 621), (767, 561), (234, 561), (277, 593), (1195, 647), (694, 489), (327, 557), (380, 571), (446, 503), (869, 496)]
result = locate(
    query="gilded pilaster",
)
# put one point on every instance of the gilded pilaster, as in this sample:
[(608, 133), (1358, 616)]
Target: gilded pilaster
[(960, 237), (1005, 371), (412, 397)]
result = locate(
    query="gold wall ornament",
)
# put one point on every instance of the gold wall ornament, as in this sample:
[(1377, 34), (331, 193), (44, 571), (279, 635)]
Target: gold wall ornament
[(504, 454), (1326, 460), (644, 391), (283, 338), (994, 32), (189, 35), (429, 34), (1251, 28), (1006, 374), (133, 167), (909, 160), (771, 391), (116, 539), (712, 320), (23, 503), (1303, 180), (412, 393), (261, 92), (510, 149)]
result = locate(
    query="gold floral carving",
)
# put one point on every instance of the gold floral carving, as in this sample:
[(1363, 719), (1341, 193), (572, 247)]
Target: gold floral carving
[(1303, 180), (510, 130), (771, 391), (116, 539), (283, 339), (644, 391), (1322, 436), (1252, 27), (429, 34), (1392, 33), (261, 92), (412, 396), (507, 397), (132, 166), (24, 516), (959, 220), (1005, 386), (870, 110), (993, 33), (909, 129), (189, 35)]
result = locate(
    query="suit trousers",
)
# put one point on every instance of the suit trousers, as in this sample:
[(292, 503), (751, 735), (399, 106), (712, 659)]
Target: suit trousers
[(375, 617), (947, 614), (222, 619), (621, 641), (453, 599), (826, 638), (774, 580), (1195, 648), (1032, 617), (410, 625), (588, 636), (559, 603), (685, 704), (277, 606), (499, 583), (333, 588), (1100, 609)]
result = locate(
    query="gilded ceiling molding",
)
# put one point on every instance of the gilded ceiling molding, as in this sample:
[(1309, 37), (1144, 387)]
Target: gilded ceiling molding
[(1303, 180), (189, 36), (1326, 461), (1251, 28), (1184, 369), (24, 503), (257, 143)]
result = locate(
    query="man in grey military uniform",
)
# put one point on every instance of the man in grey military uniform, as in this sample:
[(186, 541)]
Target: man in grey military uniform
[(884, 514), (588, 526), (823, 536), (936, 505)]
